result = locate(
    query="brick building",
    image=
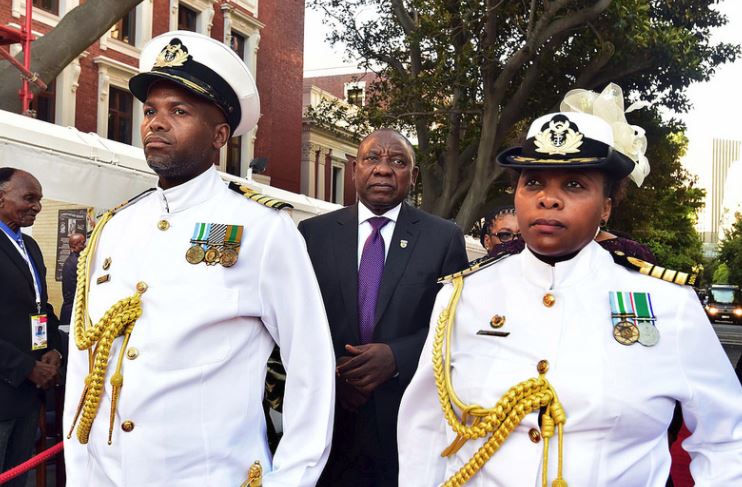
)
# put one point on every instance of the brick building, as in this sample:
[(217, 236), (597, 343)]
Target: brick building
[(328, 151), (92, 94)]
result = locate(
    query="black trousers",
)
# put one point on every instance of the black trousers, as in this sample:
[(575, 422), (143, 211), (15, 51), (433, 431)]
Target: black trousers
[(357, 457), (17, 438)]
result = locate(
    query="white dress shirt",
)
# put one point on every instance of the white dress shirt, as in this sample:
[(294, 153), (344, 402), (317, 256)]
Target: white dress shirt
[(364, 227), (194, 385), (618, 399)]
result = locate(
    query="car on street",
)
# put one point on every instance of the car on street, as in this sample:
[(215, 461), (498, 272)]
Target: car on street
[(724, 304)]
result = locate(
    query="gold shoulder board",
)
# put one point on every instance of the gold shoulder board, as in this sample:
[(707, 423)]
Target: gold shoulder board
[(130, 201), (258, 197), (474, 266), (653, 270)]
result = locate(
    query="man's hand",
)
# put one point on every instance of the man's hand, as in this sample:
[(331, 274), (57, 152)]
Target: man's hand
[(349, 398), (43, 375), (368, 367), (52, 357)]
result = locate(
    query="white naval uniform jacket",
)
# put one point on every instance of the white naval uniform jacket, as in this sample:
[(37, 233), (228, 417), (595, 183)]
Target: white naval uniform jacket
[(194, 391), (618, 399)]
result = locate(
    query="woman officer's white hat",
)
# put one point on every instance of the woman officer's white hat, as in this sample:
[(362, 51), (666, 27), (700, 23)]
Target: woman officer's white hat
[(206, 68), (569, 141)]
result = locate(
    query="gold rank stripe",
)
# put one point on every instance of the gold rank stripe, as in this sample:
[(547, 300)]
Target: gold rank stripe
[(260, 198), (659, 272), (474, 266)]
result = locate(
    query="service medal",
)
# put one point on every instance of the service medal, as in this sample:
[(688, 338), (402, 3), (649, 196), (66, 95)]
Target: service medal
[(649, 336), (626, 333), (195, 254), (211, 256), (228, 258)]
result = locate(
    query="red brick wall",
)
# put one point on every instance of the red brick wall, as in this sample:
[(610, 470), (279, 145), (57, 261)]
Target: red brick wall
[(335, 84), (279, 72)]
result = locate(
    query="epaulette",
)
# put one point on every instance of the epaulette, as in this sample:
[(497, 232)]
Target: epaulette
[(653, 270), (130, 201), (474, 266), (260, 198)]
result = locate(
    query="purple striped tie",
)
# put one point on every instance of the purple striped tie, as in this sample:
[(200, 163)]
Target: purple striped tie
[(369, 278)]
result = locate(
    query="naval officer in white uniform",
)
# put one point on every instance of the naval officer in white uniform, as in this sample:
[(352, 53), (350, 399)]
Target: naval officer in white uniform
[(182, 294), (599, 352)]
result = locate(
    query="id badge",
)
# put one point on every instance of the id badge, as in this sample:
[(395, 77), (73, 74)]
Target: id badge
[(38, 332)]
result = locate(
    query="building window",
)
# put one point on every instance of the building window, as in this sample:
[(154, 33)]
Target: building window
[(48, 5), (355, 96), (187, 18), (125, 29), (43, 103), (238, 44), (336, 191), (119, 115), (234, 156)]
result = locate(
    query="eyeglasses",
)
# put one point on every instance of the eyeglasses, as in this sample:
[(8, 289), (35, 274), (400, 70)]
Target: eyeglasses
[(505, 235)]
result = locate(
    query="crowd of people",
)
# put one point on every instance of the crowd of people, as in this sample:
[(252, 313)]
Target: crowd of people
[(560, 357)]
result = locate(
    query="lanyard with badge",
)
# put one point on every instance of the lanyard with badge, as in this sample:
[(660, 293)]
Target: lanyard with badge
[(38, 321)]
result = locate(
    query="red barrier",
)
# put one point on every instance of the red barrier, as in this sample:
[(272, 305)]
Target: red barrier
[(31, 463)]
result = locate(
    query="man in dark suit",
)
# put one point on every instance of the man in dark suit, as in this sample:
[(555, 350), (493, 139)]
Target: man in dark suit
[(29, 340), (377, 263), (69, 276)]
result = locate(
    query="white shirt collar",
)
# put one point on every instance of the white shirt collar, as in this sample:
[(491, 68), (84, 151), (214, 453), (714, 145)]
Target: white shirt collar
[(190, 193), (364, 213), (583, 265)]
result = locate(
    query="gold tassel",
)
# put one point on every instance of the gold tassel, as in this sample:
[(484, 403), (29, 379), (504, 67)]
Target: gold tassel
[(499, 421)]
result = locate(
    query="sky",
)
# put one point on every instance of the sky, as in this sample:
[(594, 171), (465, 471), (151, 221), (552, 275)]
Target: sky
[(717, 104)]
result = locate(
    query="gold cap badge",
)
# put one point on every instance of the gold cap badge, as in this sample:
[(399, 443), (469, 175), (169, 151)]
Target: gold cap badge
[(172, 55)]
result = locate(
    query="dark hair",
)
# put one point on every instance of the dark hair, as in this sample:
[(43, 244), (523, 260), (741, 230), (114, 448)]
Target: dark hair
[(5, 174), (615, 189), (492, 216)]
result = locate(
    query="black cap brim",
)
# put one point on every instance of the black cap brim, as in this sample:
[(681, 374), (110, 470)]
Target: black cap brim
[(140, 84), (616, 165)]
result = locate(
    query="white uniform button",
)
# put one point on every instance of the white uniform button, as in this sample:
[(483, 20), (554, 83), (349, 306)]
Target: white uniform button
[(127, 426), (549, 300), (163, 225), (132, 353)]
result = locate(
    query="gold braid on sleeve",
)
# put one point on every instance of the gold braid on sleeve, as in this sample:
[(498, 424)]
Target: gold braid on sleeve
[(97, 339), (498, 421)]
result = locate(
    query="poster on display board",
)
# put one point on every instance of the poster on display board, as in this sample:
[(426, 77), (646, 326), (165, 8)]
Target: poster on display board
[(68, 222)]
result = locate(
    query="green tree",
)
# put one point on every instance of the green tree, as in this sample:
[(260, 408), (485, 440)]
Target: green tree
[(662, 213), (730, 252), (721, 274), (50, 54), (467, 76)]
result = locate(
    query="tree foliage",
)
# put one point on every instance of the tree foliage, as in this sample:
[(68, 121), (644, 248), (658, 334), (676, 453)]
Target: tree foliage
[(730, 252), (662, 213), (467, 76), (50, 54)]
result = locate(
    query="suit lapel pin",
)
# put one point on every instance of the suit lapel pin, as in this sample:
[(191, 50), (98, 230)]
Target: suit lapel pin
[(403, 244), (106, 263)]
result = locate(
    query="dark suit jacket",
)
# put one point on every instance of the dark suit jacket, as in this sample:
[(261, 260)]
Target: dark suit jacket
[(435, 247), (69, 283), (17, 304)]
